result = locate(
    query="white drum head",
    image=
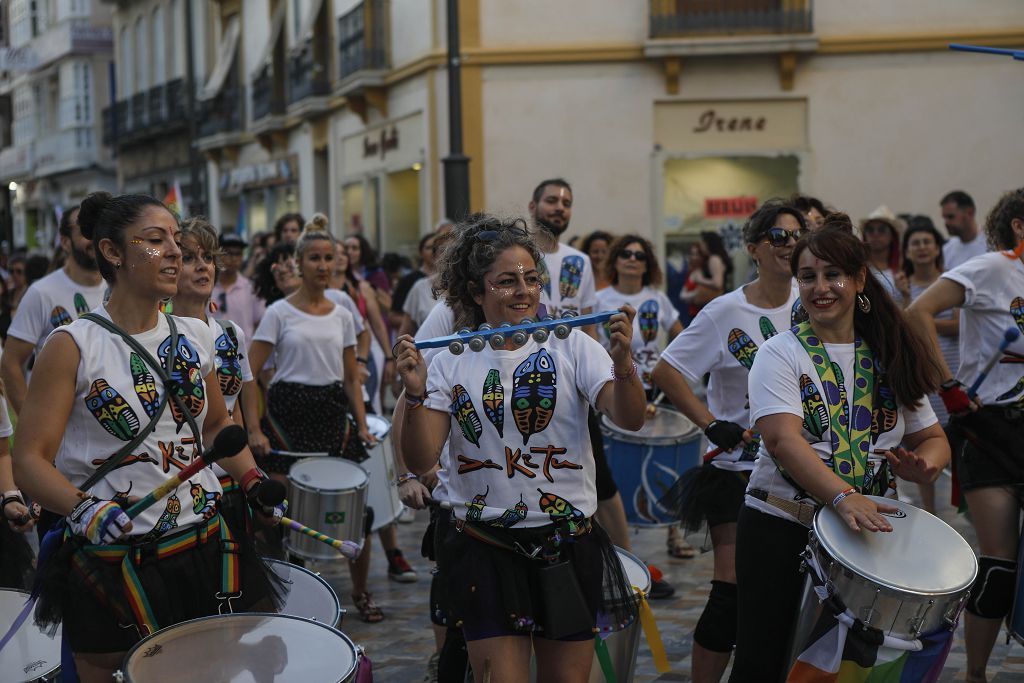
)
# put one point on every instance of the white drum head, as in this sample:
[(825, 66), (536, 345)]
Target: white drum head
[(30, 654), (379, 426), (921, 555), (636, 571), (666, 427), (308, 596), (327, 474), (243, 648)]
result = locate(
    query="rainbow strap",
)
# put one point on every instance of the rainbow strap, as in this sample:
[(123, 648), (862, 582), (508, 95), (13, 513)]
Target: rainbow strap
[(851, 434), (131, 555)]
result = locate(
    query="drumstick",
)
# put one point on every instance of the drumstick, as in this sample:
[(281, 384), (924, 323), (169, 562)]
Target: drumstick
[(229, 442), (440, 504), (1009, 337), (349, 549)]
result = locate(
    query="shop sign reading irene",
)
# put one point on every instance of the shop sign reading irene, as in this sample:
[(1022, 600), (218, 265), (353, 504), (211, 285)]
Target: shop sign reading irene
[(381, 143), (730, 125), (710, 119)]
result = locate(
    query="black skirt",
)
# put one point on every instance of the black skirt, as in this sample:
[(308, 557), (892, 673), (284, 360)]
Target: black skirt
[(706, 496), (303, 418)]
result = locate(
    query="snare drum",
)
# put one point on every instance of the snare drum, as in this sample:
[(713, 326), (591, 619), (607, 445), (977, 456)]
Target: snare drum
[(307, 594), (910, 582), (382, 494), (646, 463), (243, 648), (30, 655), (624, 644), (329, 495)]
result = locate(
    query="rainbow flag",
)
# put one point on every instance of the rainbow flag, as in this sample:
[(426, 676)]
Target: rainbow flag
[(174, 200)]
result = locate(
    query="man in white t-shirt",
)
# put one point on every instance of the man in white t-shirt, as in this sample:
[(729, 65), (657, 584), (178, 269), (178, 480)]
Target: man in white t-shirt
[(965, 239), (55, 300)]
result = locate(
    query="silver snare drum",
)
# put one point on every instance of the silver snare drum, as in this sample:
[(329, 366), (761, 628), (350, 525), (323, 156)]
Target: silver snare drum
[(910, 582), (308, 595), (329, 495), (623, 645), (382, 494), (30, 655), (243, 648)]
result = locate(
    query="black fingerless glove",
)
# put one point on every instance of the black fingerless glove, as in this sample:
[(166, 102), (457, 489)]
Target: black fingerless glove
[(726, 435)]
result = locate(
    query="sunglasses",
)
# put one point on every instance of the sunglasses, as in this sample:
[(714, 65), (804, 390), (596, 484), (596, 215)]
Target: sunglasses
[(873, 228), (779, 237), (627, 254)]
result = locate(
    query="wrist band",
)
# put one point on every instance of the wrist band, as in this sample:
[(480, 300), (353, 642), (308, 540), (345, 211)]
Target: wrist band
[(253, 474), (12, 496), (710, 425), (360, 359), (412, 401), (629, 375), (843, 494), (408, 476)]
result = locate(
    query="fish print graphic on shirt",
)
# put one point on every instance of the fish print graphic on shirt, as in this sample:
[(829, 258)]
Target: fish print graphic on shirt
[(112, 411), (169, 517), (465, 415), (493, 399), (885, 415), (81, 305), (512, 516), (59, 317), (647, 316), (815, 413), (742, 347), (228, 363), (476, 508), (570, 277), (534, 393), (186, 378), (558, 508), (767, 328), (145, 385)]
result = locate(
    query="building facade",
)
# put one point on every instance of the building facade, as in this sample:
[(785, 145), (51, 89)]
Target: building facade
[(55, 74)]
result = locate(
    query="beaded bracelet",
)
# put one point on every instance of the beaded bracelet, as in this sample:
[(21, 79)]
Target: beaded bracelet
[(408, 476), (843, 494), (620, 378), (412, 402)]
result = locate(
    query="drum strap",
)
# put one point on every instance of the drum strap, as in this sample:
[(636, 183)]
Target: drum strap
[(851, 434)]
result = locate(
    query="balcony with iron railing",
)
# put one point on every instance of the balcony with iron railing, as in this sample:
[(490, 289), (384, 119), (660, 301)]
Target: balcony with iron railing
[(157, 111), (222, 113), (267, 94), (362, 42), (307, 76), (700, 18)]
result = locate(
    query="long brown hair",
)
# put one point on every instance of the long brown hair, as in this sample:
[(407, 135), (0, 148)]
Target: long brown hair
[(905, 358), (652, 276)]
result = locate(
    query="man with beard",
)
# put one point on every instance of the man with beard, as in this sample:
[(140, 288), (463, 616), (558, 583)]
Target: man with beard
[(55, 300), (569, 286)]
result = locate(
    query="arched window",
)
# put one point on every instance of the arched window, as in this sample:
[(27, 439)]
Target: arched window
[(159, 46)]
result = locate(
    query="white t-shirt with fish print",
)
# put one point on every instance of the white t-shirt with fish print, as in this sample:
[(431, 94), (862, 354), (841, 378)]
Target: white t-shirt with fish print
[(723, 340), (519, 448), (784, 380), (655, 315), (116, 392), (570, 282), (51, 302)]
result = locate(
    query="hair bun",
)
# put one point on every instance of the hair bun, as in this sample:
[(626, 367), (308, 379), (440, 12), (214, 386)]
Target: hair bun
[(318, 223), (90, 210)]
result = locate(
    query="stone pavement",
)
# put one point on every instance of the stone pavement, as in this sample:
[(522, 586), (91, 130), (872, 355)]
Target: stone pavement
[(400, 646)]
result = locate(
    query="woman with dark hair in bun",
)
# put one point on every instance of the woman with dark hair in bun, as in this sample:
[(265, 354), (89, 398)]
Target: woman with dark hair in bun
[(525, 566), (96, 430), (811, 454)]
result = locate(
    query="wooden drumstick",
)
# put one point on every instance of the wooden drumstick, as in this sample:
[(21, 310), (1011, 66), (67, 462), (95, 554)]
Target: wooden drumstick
[(350, 549)]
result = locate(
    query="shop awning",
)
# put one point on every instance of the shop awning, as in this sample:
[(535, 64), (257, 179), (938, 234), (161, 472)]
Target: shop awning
[(308, 21), (226, 51), (276, 25)]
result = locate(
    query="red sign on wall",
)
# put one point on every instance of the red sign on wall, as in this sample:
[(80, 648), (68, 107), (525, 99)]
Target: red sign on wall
[(722, 207)]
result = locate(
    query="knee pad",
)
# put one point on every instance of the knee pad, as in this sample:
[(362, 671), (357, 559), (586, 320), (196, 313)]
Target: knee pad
[(993, 591), (716, 628)]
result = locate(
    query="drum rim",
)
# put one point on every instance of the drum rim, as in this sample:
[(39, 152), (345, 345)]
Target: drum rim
[(902, 590), (56, 667), (650, 579), (315, 575), (611, 429), (387, 432), (355, 648), (314, 489)]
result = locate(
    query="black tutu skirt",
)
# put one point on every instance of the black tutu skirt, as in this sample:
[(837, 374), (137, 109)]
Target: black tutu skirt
[(16, 559), (706, 496)]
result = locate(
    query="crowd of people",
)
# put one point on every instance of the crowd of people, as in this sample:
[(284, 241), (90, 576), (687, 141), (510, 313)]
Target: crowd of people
[(835, 372)]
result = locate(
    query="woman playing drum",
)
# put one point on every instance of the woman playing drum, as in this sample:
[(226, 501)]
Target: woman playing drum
[(92, 398), (989, 290), (723, 340), (526, 558), (316, 384), (833, 399)]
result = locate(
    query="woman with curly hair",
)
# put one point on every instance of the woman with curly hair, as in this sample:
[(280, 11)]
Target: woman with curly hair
[(525, 565), (989, 291)]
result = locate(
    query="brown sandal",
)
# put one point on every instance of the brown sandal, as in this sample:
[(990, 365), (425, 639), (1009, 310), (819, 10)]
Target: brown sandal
[(678, 547), (368, 610)]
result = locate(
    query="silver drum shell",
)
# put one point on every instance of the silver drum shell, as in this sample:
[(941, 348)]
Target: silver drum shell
[(337, 511)]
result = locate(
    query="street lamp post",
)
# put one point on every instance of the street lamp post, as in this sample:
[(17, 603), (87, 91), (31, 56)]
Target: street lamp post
[(456, 164)]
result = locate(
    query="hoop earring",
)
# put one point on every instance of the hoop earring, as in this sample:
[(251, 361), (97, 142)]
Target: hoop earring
[(863, 302)]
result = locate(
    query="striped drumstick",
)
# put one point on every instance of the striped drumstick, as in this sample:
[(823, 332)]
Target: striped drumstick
[(229, 442), (349, 549)]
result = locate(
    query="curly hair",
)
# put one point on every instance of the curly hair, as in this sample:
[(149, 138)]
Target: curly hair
[(263, 284), (199, 229), (652, 276), (469, 254), (998, 227)]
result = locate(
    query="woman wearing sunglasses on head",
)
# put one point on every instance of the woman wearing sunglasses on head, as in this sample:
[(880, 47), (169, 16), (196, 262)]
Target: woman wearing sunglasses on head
[(830, 433), (722, 340)]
